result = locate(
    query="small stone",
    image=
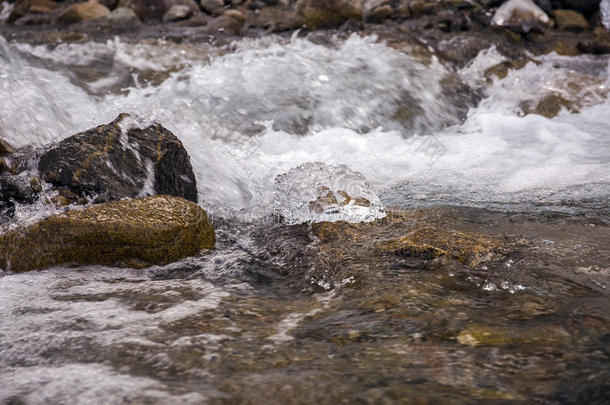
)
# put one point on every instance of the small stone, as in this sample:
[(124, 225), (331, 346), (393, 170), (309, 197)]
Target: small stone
[(177, 13), (5, 148), (198, 20), (123, 15), (230, 22), (214, 7), (316, 14), (570, 20), (520, 15), (379, 14), (82, 12)]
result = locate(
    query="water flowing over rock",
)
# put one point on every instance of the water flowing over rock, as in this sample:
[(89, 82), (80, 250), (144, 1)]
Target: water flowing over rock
[(120, 160), (212, 6), (133, 233), (318, 192), (522, 15)]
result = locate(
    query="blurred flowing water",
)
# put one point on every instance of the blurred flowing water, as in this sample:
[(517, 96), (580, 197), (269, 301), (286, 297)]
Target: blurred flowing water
[(269, 122)]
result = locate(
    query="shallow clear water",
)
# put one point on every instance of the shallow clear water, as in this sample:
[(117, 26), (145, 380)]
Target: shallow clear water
[(276, 314)]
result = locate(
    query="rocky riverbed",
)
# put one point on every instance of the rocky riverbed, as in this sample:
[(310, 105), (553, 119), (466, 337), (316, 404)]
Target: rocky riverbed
[(304, 201)]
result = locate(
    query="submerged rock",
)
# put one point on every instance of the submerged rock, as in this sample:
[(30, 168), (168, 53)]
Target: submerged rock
[(114, 161), (83, 11), (520, 15), (316, 14), (430, 243), (133, 233), (481, 335)]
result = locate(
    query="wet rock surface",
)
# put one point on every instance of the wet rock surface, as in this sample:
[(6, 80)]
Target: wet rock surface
[(130, 233), (367, 325), (83, 11), (426, 305), (110, 162)]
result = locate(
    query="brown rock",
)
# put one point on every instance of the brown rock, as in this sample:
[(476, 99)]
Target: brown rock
[(214, 7), (82, 12), (198, 20), (379, 14), (549, 106), (429, 243), (570, 20), (230, 22), (316, 14), (177, 13), (133, 233)]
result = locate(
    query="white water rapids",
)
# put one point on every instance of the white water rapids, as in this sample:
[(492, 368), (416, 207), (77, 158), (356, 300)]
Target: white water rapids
[(264, 107)]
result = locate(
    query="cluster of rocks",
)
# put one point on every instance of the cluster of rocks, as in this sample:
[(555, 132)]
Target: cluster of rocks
[(138, 187), (213, 13), (278, 15), (454, 30)]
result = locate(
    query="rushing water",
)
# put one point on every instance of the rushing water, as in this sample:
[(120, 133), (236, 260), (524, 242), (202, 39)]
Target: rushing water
[(267, 123), (269, 106)]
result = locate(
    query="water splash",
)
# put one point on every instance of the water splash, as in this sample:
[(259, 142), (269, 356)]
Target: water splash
[(318, 192)]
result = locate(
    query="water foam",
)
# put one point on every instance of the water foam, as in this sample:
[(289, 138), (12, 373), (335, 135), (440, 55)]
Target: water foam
[(271, 105)]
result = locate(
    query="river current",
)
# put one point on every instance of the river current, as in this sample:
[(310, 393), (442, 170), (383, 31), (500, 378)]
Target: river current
[(265, 121)]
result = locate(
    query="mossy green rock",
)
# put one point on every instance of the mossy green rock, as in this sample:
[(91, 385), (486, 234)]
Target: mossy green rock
[(128, 233)]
